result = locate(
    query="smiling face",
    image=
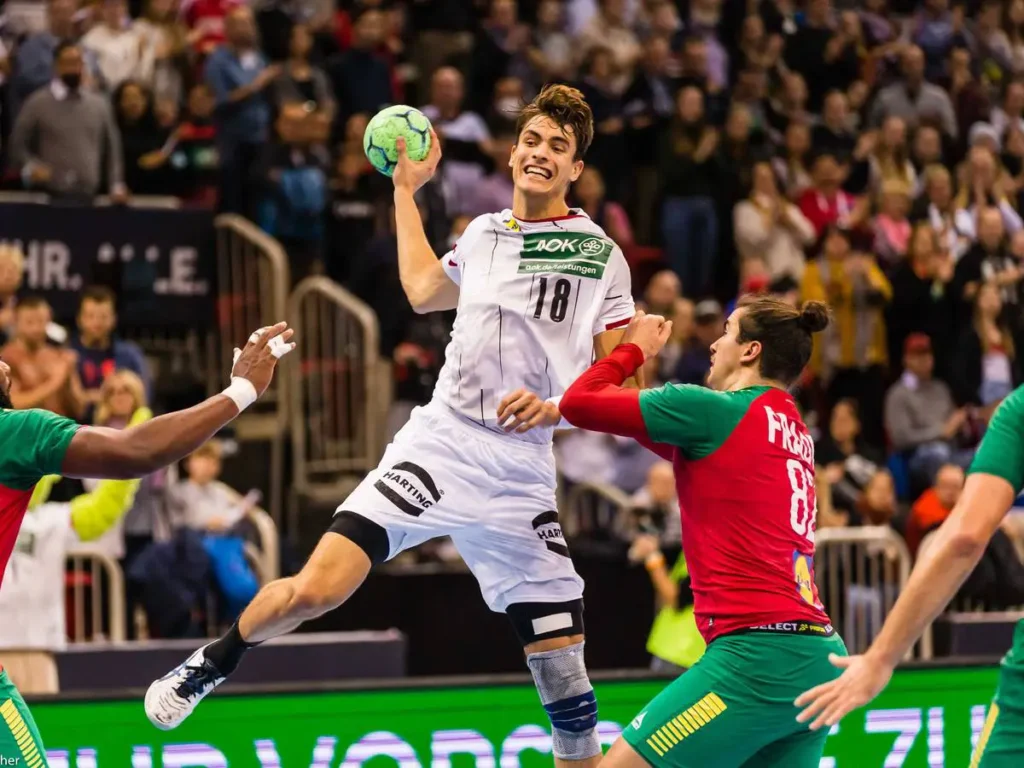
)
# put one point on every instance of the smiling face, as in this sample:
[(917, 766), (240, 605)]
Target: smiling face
[(543, 161)]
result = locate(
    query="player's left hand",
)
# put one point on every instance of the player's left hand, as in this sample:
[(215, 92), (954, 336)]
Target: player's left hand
[(649, 332), (526, 411), (863, 678)]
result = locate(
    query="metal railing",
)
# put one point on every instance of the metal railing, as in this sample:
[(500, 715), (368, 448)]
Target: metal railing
[(266, 557), (97, 596), (960, 604), (593, 509), (340, 389), (252, 279), (860, 573), (136, 201)]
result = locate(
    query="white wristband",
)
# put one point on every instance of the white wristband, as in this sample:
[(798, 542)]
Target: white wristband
[(242, 392), (562, 424)]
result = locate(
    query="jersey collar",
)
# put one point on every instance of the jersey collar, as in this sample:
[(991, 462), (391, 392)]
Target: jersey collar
[(574, 213)]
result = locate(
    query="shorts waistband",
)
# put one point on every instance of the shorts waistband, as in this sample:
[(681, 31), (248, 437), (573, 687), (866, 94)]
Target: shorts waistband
[(442, 411), (813, 628)]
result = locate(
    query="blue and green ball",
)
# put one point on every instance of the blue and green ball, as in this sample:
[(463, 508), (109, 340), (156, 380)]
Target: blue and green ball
[(382, 132)]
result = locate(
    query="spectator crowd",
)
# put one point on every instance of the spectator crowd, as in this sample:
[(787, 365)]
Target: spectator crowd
[(869, 154)]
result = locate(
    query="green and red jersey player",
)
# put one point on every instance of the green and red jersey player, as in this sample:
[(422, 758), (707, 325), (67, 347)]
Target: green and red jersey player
[(35, 443), (994, 481), (744, 466)]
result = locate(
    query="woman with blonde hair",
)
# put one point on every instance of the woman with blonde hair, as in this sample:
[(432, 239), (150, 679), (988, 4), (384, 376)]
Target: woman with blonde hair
[(891, 157), (983, 183), (122, 395), (937, 206)]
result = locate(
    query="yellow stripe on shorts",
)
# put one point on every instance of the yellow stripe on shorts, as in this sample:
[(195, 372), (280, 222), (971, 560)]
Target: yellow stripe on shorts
[(21, 733), (986, 732), (686, 723)]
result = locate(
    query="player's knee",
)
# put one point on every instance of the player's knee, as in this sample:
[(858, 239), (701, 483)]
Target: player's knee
[(552, 634), (568, 697)]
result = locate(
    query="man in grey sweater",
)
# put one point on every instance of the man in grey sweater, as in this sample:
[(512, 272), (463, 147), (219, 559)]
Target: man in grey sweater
[(914, 99), (63, 135), (920, 416)]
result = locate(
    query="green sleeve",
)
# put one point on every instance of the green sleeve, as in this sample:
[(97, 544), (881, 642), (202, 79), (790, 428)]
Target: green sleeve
[(1001, 452), (695, 419), (32, 444)]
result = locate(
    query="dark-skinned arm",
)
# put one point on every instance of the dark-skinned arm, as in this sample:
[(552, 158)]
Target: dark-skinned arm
[(122, 454), (101, 453)]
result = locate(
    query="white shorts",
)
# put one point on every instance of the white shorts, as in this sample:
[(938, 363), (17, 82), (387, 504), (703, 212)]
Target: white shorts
[(493, 495)]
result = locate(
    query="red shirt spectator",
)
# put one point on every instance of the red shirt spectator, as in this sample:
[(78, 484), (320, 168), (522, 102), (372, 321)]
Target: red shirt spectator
[(205, 20), (934, 506), (825, 203)]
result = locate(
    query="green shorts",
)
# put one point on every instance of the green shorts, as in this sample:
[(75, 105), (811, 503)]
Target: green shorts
[(1001, 742), (734, 707), (19, 738)]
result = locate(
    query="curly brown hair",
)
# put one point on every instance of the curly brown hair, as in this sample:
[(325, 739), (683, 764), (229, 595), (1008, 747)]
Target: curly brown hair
[(566, 107)]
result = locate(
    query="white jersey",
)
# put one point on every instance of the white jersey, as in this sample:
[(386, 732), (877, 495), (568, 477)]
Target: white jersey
[(32, 595), (533, 294)]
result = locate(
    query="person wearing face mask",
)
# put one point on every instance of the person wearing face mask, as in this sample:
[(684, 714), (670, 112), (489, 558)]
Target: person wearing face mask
[(64, 134)]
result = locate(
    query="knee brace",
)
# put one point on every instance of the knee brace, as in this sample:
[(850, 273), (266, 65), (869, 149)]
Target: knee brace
[(568, 698)]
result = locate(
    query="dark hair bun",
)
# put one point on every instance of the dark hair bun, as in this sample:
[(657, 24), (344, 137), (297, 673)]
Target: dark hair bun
[(814, 316)]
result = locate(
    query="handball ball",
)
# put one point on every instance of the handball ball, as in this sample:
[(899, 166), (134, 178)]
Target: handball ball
[(382, 132)]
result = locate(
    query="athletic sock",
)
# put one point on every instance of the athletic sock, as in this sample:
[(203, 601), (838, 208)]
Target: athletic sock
[(225, 652)]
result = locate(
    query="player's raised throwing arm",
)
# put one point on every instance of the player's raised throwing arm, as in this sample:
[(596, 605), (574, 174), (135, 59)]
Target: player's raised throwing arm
[(426, 285), (100, 453)]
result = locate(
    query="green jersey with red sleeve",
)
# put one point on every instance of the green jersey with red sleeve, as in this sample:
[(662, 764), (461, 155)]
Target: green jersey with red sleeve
[(32, 445), (744, 466)]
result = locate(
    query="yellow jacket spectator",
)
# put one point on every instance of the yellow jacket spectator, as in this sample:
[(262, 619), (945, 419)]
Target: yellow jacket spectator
[(850, 357), (675, 644)]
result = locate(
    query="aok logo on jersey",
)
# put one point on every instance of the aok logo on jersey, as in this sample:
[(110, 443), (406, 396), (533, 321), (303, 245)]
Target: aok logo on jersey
[(566, 253)]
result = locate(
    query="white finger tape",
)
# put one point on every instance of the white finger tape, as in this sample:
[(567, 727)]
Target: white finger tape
[(234, 357), (279, 348), (255, 335)]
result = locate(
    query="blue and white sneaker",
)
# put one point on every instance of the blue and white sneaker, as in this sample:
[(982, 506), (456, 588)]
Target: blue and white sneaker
[(172, 698)]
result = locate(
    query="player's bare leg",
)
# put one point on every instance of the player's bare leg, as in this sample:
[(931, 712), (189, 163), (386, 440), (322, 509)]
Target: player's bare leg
[(333, 572), (622, 755)]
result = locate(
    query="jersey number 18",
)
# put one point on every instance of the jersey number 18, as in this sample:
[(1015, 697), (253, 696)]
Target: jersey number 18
[(559, 299), (802, 504)]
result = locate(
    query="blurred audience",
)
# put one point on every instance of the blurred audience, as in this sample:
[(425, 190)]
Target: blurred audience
[(934, 505), (65, 139), (99, 352), (238, 76), (769, 226), (42, 375), (921, 418)]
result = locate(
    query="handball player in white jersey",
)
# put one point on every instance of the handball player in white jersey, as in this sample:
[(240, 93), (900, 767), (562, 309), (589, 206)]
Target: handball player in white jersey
[(540, 290)]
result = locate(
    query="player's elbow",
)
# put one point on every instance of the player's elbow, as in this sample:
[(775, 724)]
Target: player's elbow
[(967, 537), (571, 407), (420, 294), (969, 542)]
